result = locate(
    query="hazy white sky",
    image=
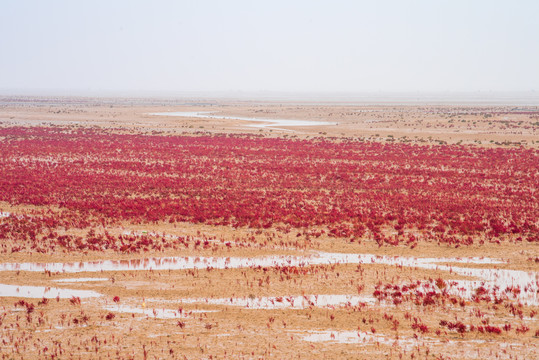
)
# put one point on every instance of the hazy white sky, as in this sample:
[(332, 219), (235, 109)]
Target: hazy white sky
[(290, 45)]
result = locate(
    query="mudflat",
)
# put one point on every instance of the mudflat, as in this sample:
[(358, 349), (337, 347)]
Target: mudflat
[(453, 124), (394, 231)]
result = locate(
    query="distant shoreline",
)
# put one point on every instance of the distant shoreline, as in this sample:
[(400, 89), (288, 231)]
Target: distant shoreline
[(530, 98)]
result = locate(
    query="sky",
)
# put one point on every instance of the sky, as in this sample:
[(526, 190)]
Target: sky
[(311, 46)]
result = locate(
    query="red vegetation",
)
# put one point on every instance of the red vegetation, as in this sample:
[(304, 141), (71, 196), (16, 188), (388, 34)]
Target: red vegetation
[(75, 300), (392, 193)]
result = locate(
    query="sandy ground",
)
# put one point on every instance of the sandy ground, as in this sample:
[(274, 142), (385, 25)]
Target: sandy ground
[(480, 125), (153, 327)]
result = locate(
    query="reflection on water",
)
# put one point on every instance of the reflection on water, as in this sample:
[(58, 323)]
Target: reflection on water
[(461, 347), (195, 262), (526, 282), (355, 337), (39, 292), (287, 302), (155, 313), (267, 122)]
